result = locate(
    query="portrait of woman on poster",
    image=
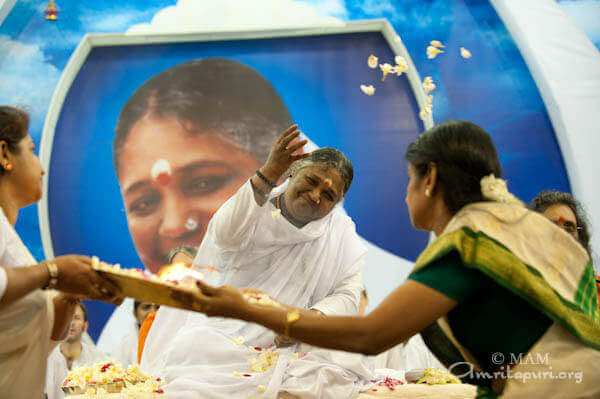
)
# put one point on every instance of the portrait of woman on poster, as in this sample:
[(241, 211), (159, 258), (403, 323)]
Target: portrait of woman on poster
[(185, 141)]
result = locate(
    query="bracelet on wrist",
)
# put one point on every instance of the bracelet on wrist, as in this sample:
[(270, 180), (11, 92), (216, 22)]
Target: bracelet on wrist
[(264, 179), (290, 318), (52, 275)]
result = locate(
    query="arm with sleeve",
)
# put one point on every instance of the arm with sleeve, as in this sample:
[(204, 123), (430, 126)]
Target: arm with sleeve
[(233, 223)]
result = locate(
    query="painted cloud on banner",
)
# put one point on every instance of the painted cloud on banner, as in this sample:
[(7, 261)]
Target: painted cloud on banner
[(195, 16), (28, 80)]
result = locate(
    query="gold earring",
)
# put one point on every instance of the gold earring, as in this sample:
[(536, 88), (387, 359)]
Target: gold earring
[(427, 192), (8, 166)]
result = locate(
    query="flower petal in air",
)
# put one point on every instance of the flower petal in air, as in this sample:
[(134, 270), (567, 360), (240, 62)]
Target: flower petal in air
[(373, 61), (368, 90), (385, 68), (432, 52), (428, 85)]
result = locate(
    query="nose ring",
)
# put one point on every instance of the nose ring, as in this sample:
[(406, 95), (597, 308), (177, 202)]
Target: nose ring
[(191, 224)]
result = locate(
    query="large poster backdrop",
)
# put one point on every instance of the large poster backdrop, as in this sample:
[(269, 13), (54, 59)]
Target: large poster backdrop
[(318, 78)]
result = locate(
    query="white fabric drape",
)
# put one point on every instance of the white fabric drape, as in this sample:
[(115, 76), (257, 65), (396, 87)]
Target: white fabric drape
[(251, 249), (127, 350), (25, 326)]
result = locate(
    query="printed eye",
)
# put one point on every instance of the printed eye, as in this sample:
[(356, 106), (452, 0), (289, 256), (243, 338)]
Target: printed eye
[(204, 185), (145, 205)]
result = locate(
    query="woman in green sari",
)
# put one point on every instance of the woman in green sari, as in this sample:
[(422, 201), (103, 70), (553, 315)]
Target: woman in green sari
[(503, 297)]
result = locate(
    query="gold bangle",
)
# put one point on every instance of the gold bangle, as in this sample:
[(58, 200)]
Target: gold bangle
[(52, 275), (290, 318)]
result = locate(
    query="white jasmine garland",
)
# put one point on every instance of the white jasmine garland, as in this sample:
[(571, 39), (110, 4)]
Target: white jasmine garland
[(495, 189)]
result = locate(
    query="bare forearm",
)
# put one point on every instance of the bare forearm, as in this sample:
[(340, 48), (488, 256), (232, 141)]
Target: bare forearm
[(23, 280), (405, 312), (64, 307), (351, 334)]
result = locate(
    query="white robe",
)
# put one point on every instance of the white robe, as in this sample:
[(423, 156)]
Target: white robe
[(329, 374), (318, 266), (25, 326), (120, 324), (58, 371), (127, 349)]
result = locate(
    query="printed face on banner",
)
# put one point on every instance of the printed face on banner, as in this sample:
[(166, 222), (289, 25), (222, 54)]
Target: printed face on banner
[(205, 170)]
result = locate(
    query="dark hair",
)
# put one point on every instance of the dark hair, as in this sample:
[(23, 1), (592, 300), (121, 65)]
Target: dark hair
[(14, 124), (217, 94), (330, 158), (463, 153), (83, 310), (547, 198)]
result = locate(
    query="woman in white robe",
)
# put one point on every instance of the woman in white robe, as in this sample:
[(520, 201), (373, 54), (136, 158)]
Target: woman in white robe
[(292, 242), (29, 316)]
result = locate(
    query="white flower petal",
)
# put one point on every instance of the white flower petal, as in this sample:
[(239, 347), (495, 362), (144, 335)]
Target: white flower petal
[(432, 52), (465, 53), (373, 61), (368, 90), (385, 68), (436, 43)]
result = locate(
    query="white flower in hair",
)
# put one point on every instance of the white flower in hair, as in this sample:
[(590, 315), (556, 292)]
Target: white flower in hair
[(495, 189)]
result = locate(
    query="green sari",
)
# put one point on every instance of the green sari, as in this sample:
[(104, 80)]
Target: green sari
[(529, 256)]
